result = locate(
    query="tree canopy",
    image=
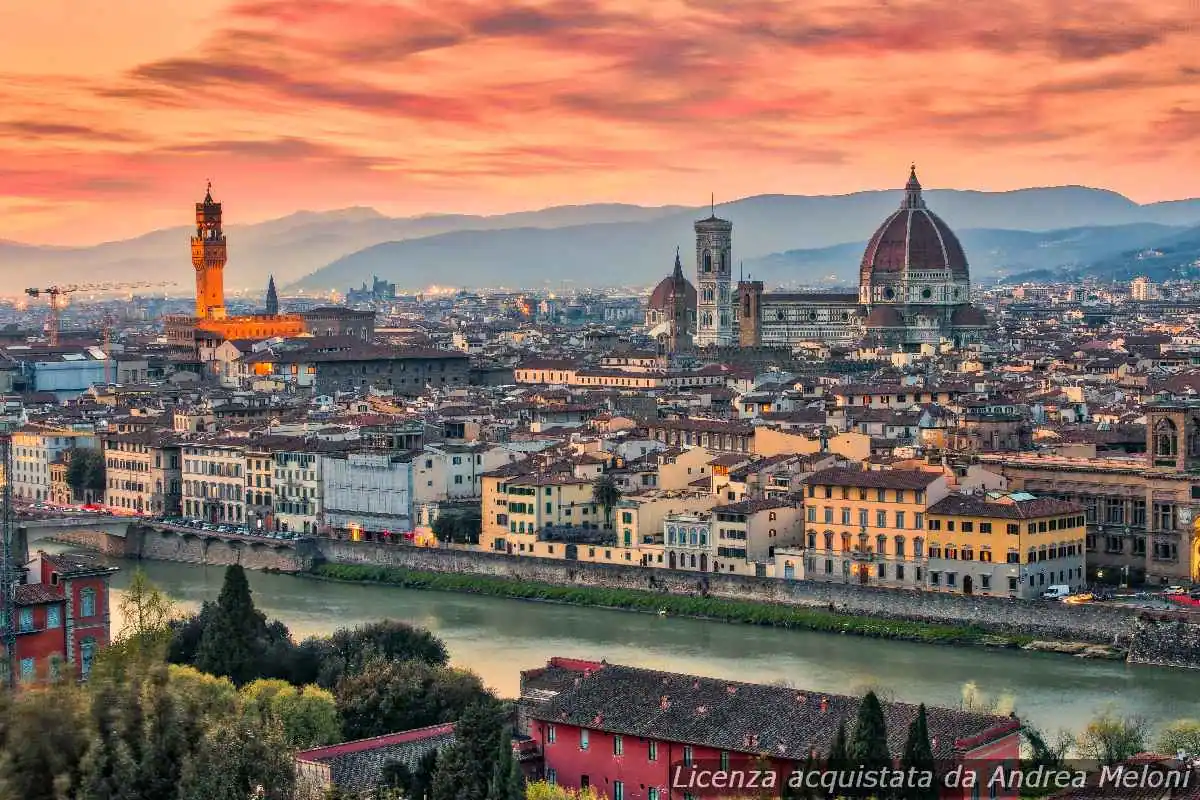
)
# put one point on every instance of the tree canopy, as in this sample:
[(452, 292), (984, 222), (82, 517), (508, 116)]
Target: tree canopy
[(85, 470)]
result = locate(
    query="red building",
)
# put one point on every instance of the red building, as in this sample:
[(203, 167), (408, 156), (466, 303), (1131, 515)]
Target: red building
[(62, 616), (627, 731)]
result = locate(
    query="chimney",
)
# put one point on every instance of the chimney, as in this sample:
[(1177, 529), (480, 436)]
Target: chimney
[(824, 705), (577, 682), (696, 684), (664, 703)]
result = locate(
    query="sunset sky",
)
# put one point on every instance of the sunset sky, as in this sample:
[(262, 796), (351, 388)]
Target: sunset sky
[(113, 114)]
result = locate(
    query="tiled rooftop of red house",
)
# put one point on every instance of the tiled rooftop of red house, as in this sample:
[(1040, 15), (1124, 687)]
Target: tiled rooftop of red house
[(387, 740)]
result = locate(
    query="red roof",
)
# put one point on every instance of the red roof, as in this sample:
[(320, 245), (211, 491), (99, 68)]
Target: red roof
[(913, 238), (387, 740)]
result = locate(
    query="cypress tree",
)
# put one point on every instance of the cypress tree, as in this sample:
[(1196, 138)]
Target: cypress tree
[(466, 768), (869, 747), (166, 747), (839, 754), (516, 778), (497, 789), (232, 642), (918, 756)]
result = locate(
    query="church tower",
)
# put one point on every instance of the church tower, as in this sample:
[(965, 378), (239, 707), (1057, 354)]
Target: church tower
[(272, 297), (208, 259), (714, 303)]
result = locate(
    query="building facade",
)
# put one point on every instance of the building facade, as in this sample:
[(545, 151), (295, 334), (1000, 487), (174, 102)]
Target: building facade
[(214, 482), (143, 473), (367, 495), (62, 610), (1007, 545), (34, 449)]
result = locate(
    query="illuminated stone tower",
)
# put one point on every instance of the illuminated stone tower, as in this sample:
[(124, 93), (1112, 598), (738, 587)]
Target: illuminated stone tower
[(714, 301), (208, 258)]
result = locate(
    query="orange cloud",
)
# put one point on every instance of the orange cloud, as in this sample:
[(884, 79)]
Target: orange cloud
[(424, 105)]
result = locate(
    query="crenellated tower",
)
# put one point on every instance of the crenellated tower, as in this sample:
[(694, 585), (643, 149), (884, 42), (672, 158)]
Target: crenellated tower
[(714, 259), (208, 258)]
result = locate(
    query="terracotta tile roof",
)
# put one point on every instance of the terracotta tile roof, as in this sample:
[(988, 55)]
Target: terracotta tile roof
[(745, 717), (873, 479), (32, 594), (975, 506)]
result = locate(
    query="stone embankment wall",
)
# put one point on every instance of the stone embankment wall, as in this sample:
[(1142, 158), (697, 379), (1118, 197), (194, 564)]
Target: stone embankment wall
[(1165, 644), (97, 541), (1098, 624), (160, 544)]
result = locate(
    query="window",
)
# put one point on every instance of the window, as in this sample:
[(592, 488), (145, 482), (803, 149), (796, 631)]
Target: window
[(551, 734), (812, 514), (87, 603), (985, 527), (618, 790), (28, 669), (935, 524), (828, 515), (845, 516), (687, 755), (968, 527), (25, 620), (652, 751), (583, 738), (618, 746), (53, 617), (551, 776), (919, 523), (652, 793), (880, 519), (1014, 528), (900, 520)]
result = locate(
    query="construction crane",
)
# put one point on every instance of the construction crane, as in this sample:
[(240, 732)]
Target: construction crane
[(57, 297)]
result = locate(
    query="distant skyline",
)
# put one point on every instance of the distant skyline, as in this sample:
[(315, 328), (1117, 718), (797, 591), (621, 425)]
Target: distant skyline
[(114, 114)]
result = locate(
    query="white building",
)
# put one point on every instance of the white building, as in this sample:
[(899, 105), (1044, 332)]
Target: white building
[(370, 492), (454, 471), (298, 490), (214, 482), (34, 449)]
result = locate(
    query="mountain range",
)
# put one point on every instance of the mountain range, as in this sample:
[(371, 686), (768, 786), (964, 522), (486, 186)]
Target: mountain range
[(778, 238)]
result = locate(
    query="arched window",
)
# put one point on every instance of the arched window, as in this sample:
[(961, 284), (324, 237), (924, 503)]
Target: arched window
[(845, 542), (707, 294), (881, 544), (706, 319), (1166, 438), (706, 261), (899, 547), (828, 541)]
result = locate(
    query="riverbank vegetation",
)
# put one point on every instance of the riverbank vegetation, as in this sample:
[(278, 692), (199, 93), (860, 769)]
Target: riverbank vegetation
[(716, 608), (214, 706)]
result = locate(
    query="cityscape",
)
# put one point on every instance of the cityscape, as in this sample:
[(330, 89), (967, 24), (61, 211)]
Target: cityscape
[(747, 466)]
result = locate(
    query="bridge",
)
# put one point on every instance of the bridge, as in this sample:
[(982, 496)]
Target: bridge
[(140, 538)]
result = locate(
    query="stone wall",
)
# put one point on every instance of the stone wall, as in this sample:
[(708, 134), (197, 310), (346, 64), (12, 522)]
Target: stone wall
[(96, 541), (1165, 643), (189, 548), (1098, 624)]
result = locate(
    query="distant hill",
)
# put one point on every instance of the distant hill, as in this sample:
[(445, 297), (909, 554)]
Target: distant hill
[(992, 253), (1170, 255), (586, 244), (766, 228), (290, 247)]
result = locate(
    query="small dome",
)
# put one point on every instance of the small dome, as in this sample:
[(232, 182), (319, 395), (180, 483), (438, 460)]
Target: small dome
[(968, 317), (663, 296), (884, 317), (913, 238)]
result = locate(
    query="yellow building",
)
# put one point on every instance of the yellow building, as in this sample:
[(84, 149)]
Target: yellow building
[(1010, 545), (868, 527), (516, 508)]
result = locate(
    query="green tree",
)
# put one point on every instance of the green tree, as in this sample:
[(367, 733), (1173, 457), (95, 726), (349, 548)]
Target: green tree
[(307, 716), (347, 651), (508, 783), (415, 783), (1182, 735), (540, 790), (166, 747), (465, 768), (45, 735), (606, 494), (239, 762), (233, 641), (109, 767), (1040, 750), (918, 756), (389, 696), (869, 746), (459, 527), (85, 471), (1110, 739)]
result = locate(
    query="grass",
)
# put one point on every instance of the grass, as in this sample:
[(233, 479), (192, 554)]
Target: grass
[(742, 611)]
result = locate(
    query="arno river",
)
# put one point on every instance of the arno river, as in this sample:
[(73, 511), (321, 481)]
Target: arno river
[(497, 638)]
